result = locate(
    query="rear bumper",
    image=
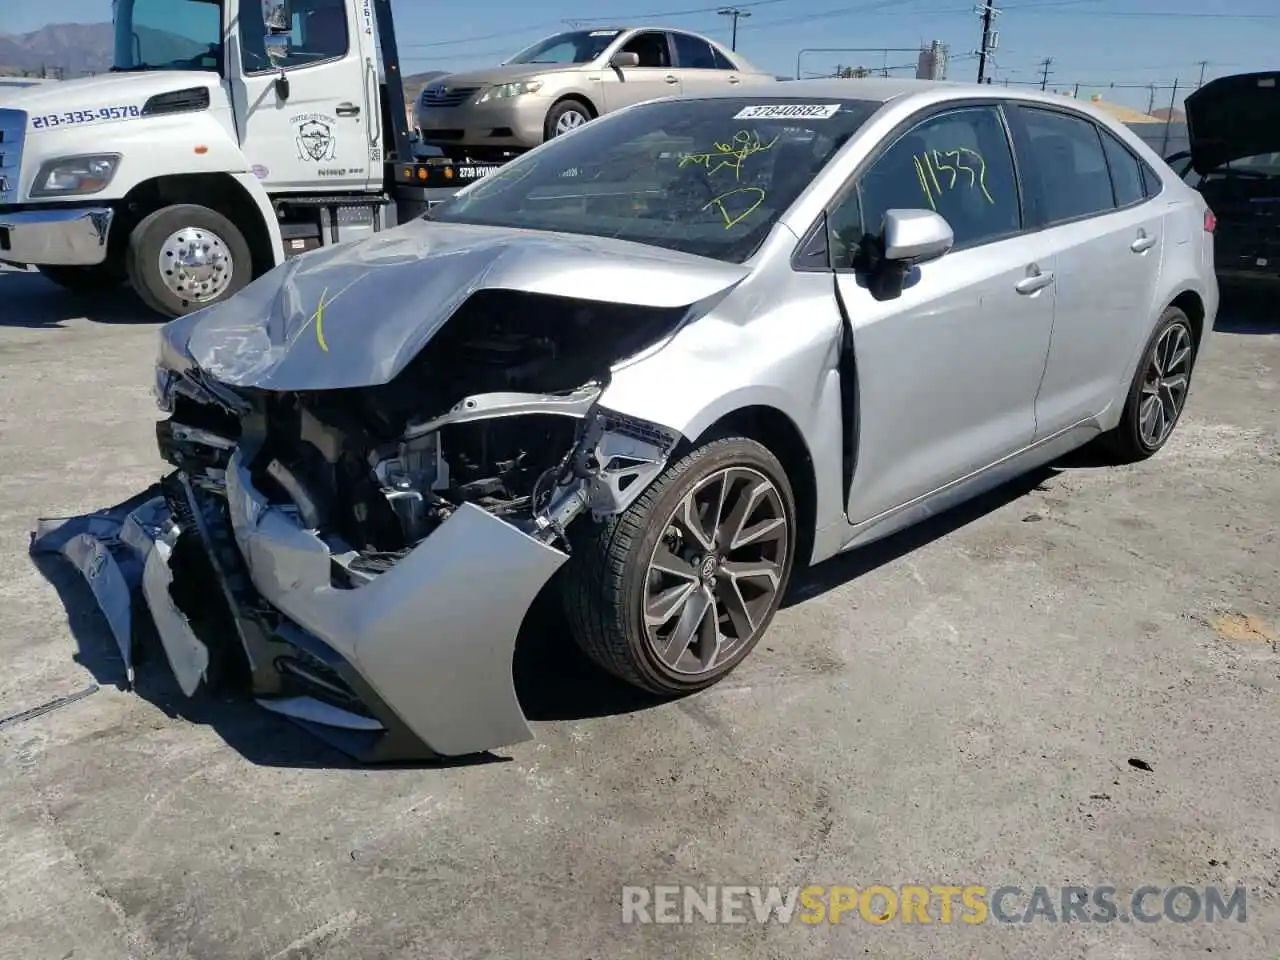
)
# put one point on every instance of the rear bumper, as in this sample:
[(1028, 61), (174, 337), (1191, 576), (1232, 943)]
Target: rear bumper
[(70, 237), (413, 663)]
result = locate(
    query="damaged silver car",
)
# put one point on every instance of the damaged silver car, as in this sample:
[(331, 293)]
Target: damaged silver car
[(653, 365)]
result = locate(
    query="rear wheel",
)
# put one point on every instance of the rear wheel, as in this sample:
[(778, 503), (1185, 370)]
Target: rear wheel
[(1158, 392), (95, 279), (185, 257), (675, 592)]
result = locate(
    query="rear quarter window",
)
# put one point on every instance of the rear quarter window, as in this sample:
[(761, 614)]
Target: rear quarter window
[(1126, 171)]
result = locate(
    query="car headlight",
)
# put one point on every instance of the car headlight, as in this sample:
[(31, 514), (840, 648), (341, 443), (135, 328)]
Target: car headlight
[(515, 89), (75, 176)]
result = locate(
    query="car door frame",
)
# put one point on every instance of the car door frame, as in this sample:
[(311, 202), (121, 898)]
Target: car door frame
[(615, 77), (705, 78), (814, 255), (1048, 418)]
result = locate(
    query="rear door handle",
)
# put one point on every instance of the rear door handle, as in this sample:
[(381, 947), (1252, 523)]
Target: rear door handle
[(670, 79), (1035, 281), (347, 110), (1143, 243), (734, 80)]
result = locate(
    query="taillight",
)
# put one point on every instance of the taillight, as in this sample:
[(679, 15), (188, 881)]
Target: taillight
[(1210, 222)]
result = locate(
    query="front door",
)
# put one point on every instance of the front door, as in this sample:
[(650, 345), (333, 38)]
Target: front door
[(947, 371), (325, 133), (654, 78)]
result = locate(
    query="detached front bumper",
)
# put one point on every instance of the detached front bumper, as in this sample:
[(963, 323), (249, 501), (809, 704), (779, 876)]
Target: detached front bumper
[(413, 663), (64, 237)]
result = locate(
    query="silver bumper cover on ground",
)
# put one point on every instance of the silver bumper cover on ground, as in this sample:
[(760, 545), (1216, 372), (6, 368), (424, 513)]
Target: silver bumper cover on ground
[(74, 237), (427, 645)]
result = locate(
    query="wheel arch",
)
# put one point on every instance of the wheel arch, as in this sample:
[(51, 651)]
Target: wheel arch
[(250, 210), (577, 97), (778, 432)]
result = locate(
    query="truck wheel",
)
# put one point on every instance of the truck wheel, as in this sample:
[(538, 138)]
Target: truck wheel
[(95, 279), (185, 257), (565, 117), (675, 592)]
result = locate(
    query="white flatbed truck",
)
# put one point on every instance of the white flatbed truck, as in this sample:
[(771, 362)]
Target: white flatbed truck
[(229, 136)]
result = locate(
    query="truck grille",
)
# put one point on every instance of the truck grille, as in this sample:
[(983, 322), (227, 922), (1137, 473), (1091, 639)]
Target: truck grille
[(446, 96), (13, 131)]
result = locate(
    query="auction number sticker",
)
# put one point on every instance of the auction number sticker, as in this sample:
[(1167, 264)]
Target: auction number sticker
[(788, 111), (75, 117)]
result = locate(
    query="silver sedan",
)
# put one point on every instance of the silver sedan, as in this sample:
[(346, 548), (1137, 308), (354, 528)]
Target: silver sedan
[(653, 366)]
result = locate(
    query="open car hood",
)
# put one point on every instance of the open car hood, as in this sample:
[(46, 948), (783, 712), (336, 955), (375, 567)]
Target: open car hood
[(356, 314), (1233, 117)]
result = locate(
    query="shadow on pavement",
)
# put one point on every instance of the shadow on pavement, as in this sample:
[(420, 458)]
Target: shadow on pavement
[(1247, 312), (29, 300)]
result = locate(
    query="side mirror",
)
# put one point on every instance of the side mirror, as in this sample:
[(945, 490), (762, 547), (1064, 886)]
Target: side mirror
[(279, 18), (915, 236), (277, 46), (624, 58)]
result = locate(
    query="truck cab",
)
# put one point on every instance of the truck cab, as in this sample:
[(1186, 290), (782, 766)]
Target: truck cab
[(229, 136)]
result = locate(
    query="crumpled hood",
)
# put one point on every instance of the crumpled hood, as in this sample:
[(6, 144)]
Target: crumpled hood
[(356, 314), (1233, 117)]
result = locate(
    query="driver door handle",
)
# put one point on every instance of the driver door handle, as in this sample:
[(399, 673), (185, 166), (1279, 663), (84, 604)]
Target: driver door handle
[(1035, 281), (672, 79), (347, 110)]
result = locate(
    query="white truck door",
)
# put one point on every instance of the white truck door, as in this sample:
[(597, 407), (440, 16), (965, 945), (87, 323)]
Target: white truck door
[(320, 136)]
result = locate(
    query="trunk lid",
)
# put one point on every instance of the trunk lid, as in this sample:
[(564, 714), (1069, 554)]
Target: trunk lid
[(1234, 117)]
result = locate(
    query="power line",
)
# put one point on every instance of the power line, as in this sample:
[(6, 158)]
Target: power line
[(736, 13)]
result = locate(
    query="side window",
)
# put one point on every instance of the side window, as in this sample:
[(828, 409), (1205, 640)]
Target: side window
[(844, 230), (958, 164), (722, 62), (1068, 168), (651, 48), (1151, 182), (319, 33), (693, 53), (1126, 175)]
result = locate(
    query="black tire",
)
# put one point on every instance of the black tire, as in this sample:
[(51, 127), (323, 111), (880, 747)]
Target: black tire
[(551, 125), (147, 239), (605, 580), (1127, 443), (85, 280)]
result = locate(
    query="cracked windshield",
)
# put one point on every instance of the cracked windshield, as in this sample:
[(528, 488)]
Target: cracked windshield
[(706, 177)]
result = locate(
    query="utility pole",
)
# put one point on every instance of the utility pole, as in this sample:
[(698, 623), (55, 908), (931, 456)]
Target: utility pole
[(1044, 72), (1151, 100), (1203, 65), (737, 14), (988, 12), (1173, 99)]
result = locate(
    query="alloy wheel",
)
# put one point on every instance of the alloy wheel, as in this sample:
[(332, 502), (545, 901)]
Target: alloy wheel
[(196, 265), (716, 571), (1164, 386), (569, 120)]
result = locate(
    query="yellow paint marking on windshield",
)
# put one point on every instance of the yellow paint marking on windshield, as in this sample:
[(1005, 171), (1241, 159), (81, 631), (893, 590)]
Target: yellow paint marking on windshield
[(318, 319), (731, 219), (743, 144)]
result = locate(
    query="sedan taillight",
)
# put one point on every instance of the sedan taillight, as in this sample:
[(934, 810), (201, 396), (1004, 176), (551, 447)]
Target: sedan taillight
[(1210, 222)]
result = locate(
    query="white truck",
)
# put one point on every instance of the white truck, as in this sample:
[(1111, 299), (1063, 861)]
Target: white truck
[(228, 136)]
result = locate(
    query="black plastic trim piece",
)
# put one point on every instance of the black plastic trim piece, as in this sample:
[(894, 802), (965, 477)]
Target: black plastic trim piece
[(190, 100)]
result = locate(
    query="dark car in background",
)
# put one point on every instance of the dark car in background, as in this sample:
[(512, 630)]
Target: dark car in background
[(1233, 125)]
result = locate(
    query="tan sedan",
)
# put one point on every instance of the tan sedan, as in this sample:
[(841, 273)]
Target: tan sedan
[(566, 80)]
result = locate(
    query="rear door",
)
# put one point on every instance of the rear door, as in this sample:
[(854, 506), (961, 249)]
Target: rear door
[(700, 70), (655, 77), (1085, 189), (325, 131), (948, 370)]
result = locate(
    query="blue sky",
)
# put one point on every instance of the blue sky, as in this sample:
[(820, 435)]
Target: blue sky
[(1092, 42)]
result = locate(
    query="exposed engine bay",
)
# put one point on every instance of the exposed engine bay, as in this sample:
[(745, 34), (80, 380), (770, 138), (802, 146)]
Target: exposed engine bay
[(320, 550)]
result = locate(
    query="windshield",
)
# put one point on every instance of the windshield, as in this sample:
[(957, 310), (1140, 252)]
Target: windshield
[(707, 177), (577, 46), (168, 35)]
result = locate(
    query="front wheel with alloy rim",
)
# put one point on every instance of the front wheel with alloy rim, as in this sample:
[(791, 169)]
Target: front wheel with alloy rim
[(675, 592), (565, 117), (1158, 392), (185, 257)]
